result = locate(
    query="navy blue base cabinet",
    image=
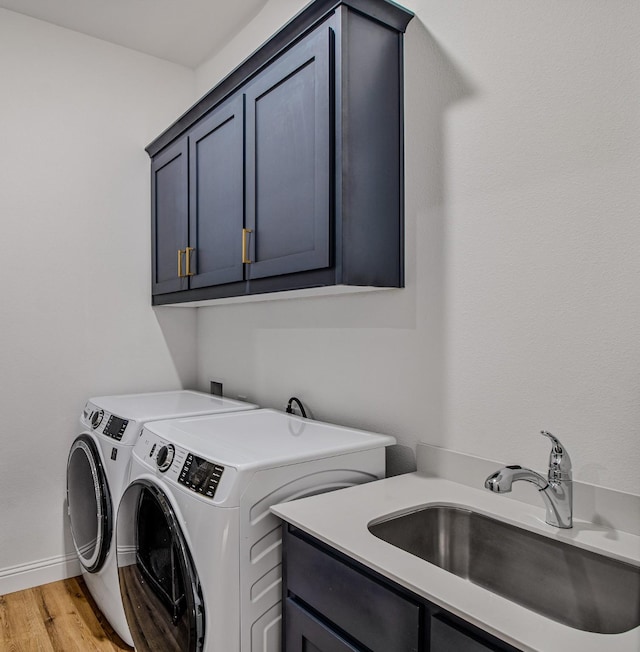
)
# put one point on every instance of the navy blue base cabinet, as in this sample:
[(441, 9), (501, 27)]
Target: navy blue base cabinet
[(334, 604), (289, 173)]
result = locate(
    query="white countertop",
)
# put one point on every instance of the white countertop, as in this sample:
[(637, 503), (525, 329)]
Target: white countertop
[(340, 519)]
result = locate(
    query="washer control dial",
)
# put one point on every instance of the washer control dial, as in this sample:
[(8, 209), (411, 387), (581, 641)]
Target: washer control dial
[(165, 456), (96, 418)]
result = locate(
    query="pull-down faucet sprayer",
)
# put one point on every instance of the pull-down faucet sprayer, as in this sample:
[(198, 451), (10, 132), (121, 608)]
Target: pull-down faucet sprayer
[(556, 489)]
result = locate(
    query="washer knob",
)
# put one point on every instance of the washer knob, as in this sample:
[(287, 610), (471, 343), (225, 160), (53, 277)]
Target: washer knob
[(96, 418), (165, 457)]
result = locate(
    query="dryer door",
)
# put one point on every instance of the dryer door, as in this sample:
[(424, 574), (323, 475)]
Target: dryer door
[(159, 586), (88, 503)]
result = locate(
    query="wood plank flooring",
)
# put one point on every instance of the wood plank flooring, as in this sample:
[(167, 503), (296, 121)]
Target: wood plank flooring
[(57, 617)]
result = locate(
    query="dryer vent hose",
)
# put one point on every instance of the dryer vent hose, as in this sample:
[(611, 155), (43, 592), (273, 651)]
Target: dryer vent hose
[(298, 402)]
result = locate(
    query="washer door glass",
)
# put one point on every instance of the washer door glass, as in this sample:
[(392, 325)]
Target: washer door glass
[(88, 504), (160, 589)]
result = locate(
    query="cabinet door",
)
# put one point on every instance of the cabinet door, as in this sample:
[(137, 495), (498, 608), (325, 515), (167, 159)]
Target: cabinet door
[(169, 217), (216, 187), (447, 638), (305, 633), (369, 611), (288, 160)]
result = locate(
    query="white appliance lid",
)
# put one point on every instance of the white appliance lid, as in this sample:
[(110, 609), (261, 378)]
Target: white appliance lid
[(165, 405), (264, 438)]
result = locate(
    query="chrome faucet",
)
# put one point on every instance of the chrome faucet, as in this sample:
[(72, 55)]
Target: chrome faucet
[(556, 489)]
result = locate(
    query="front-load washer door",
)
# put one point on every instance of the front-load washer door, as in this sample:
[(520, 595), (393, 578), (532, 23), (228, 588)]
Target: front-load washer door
[(160, 589), (88, 504)]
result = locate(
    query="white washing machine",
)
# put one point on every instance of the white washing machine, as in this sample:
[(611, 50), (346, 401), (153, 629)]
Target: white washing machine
[(97, 473), (199, 553)]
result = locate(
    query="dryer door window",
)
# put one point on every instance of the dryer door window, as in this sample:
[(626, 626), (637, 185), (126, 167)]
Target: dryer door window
[(88, 504), (159, 586)]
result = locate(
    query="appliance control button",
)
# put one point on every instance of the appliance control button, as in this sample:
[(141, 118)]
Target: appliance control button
[(96, 418), (164, 458)]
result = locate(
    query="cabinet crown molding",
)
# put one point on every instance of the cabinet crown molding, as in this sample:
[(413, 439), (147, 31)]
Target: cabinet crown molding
[(389, 13)]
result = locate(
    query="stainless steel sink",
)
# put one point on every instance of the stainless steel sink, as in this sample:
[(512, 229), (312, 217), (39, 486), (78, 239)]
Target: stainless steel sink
[(570, 585)]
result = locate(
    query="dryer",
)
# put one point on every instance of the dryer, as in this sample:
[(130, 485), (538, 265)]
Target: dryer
[(97, 472), (199, 552)]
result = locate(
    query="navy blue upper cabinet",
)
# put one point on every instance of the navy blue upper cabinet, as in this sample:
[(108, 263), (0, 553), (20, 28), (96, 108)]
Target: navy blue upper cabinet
[(288, 160), (216, 196), (169, 210), (289, 172)]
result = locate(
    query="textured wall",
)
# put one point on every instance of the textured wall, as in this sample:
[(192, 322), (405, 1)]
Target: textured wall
[(522, 309), (76, 320)]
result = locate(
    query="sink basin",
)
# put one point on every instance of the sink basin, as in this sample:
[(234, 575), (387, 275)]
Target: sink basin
[(570, 585)]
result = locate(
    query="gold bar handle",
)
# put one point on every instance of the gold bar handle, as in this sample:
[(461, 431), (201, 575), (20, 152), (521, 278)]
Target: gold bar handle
[(245, 256), (180, 252), (187, 252)]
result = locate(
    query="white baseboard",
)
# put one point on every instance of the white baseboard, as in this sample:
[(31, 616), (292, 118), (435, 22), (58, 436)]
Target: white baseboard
[(26, 576)]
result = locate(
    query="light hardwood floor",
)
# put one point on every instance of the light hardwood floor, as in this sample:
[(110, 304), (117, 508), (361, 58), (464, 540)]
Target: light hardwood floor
[(57, 617)]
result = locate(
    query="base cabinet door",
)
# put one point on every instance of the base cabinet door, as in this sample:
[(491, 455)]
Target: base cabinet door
[(333, 604), (305, 633), (447, 638), (377, 617)]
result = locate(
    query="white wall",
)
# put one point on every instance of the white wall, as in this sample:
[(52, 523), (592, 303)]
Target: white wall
[(76, 321), (522, 308)]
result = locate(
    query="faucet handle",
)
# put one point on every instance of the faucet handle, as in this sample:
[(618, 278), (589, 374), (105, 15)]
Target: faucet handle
[(559, 460)]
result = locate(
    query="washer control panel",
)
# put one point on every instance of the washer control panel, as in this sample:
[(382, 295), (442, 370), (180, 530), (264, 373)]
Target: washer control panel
[(104, 423), (115, 427), (179, 465), (200, 475)]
